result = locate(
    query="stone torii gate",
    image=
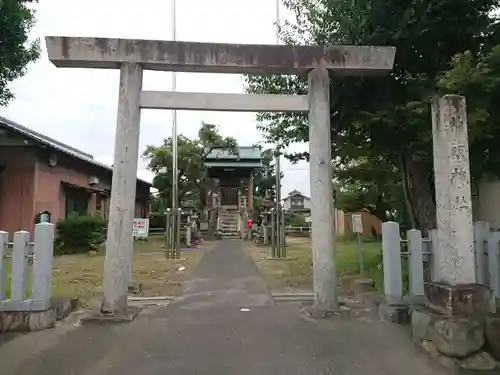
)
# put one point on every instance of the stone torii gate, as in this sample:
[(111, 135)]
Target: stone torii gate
[(133, 56)]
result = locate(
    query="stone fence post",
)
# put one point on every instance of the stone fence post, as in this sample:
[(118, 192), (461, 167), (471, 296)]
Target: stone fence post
[(494, 262), (481, 234), (42, 255), (416, 266), (391, 248)]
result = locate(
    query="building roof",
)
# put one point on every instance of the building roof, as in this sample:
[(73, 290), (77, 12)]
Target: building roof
[(56, 145), (244, 152), (296, 193)]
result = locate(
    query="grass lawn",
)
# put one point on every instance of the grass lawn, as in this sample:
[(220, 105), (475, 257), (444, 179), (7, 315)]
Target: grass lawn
[(295, 275), (81, 275)]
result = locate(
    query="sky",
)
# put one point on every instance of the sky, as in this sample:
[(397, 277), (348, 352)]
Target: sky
[(78, 106)]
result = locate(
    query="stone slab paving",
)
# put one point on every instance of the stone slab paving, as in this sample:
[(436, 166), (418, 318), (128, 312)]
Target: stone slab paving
[(206, 332)]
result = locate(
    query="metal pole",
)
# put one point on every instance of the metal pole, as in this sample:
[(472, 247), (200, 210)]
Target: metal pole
[(360, 251), (177, 252), (278, 204), (278, 167), (175, 151), (273, 233), (283, 235), (168, 227)]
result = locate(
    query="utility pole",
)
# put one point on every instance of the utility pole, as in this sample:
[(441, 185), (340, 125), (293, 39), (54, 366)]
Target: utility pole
[(174, 248), (279, 240), (279, 224)]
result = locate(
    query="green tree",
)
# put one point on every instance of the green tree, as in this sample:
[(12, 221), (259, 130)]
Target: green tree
[(16, 52), (193, 180), (383, 117), (265, 178), (370, 184), (477, 77)]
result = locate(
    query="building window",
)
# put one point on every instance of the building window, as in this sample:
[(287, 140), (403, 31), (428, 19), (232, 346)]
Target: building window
[(98, 203), (297, 202), (77, 201)]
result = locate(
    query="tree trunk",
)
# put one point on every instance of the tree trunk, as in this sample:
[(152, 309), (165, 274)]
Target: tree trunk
[(421, 193), (380, 211), (407, 195)]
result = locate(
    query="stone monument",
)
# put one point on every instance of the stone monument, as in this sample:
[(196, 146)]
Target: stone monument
[(457, 306)]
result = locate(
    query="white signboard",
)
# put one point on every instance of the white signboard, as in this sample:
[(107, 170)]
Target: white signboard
[(141, 228), (357, 223)]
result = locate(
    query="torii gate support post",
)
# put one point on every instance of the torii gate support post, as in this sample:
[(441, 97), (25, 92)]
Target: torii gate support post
[(119, 243), (320, 155)]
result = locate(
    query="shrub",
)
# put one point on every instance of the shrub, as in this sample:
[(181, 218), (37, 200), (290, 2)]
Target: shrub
[(296, 220), (79, 234), (157, 220)]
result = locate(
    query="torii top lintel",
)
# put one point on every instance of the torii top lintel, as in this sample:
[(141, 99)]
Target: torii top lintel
[(106, 53)]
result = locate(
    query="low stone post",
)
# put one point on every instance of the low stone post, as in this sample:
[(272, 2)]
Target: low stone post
[(188, 233), (19, 278), (494, 262), (434, 258), (481, 234), (4, 239), (391, 249), (42, 264), (416, 266)]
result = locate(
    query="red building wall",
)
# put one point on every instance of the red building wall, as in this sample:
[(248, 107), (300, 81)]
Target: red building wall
[(17, 188), (29, 185)]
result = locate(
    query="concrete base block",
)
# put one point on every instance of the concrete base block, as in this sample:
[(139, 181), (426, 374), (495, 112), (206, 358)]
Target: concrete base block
[(468, 299), (393, 313), (97, 317), (453, 336), (27, 321), (492, 331)]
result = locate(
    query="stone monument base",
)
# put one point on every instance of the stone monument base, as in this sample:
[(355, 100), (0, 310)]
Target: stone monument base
[(468, 299), (453, 325)]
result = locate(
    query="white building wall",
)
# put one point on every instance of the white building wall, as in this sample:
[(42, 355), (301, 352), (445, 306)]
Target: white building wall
[(486, 203)]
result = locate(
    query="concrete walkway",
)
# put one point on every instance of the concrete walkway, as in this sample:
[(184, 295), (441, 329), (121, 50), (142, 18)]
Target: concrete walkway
[(205, 332)]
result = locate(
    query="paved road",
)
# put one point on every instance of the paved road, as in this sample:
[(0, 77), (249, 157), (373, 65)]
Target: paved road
[(205, 332)]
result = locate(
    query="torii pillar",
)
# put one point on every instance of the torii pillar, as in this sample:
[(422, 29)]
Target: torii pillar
[(133, 56)]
